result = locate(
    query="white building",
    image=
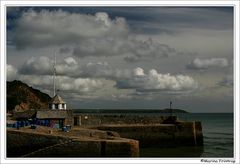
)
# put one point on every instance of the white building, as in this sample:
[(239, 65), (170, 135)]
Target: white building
[(57, 103)]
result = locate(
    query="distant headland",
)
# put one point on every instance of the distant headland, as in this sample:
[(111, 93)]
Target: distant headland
[(167, 110)]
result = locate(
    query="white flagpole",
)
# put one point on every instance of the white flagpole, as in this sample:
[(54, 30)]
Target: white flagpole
[(54, 75)]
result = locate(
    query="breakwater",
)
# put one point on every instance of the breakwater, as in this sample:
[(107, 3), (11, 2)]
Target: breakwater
[(161, 135), (86, 119), (89, 144), (158, 131)]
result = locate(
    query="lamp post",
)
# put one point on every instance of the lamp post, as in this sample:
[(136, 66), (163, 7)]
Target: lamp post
[(171, 111)]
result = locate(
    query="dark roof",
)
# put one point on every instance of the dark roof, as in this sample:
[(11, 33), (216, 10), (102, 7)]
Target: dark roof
[(57, 100), (25, 114), (11, 121), (54, 114)]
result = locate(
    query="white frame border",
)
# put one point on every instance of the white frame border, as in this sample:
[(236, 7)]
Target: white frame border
[(4, 3)]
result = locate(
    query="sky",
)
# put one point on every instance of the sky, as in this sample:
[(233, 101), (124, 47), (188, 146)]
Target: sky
[(125, 57)]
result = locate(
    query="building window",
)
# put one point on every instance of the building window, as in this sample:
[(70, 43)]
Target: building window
[(63, 106), (56, 106)]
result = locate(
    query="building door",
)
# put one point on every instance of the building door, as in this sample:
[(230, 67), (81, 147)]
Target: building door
[(61, 123)]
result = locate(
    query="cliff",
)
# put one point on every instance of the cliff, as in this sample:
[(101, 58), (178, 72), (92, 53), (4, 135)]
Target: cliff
[(21, 97)]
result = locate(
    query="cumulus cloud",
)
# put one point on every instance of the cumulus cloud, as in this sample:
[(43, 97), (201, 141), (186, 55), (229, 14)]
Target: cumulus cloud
[(85, 35), (154, 81), (11, 73), (37, 65), (140, 81), (70, 67), (44, 28), (124, 78), (44, 66), (79, 84), (45, 81), (38, 72), (67, 67), (207, 63), (64, 83)]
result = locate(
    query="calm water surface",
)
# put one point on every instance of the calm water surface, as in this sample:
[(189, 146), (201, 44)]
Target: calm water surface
[(218, 138)]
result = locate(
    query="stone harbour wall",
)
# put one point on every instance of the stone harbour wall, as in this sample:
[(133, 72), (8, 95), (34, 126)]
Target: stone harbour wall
[(161, 135), (25, 144), (99, 119), (20, 143), (90, 148)]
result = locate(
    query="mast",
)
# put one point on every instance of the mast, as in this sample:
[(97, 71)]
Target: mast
[(54, 75)]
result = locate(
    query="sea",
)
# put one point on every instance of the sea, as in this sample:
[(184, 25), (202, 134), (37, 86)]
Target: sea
[(218, 138)]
